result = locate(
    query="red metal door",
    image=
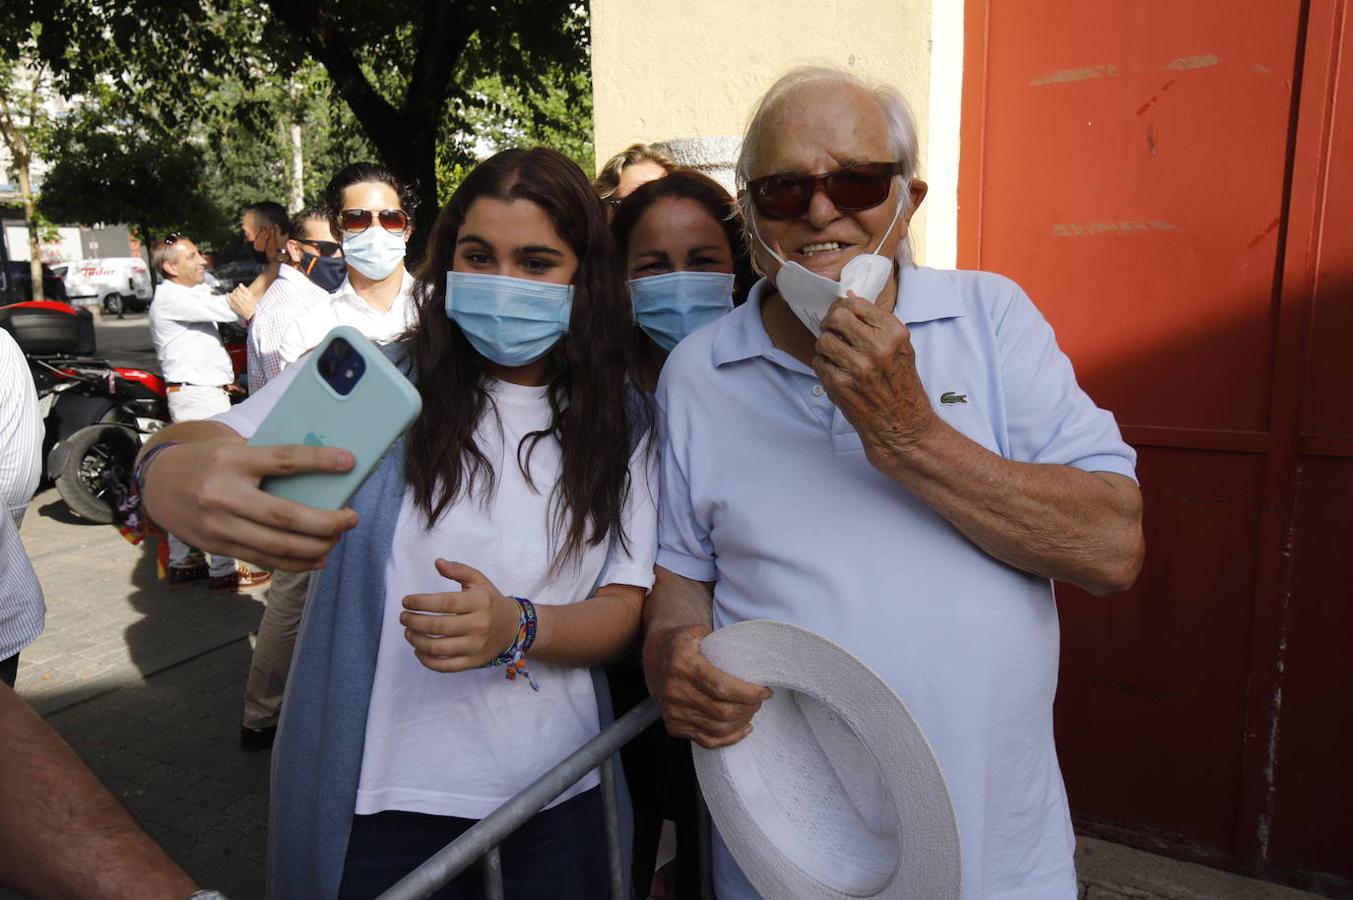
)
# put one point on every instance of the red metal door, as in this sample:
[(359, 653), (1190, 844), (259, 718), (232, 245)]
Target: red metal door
[(1161, 177)]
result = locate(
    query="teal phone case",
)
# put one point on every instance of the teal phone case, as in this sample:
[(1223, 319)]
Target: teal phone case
[(367, 421)]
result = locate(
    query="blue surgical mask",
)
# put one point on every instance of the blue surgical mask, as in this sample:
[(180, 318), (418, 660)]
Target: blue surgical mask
[(669, 307), (326, 272), (511, 321), (374, 252)]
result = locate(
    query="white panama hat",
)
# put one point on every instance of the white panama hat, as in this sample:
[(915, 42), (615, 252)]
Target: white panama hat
[(836, 792)]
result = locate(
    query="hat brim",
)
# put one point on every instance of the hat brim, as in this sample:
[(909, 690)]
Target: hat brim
[(782, 851)]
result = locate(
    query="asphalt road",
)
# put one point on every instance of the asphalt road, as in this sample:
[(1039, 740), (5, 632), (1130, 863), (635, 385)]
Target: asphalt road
[(126, 342)]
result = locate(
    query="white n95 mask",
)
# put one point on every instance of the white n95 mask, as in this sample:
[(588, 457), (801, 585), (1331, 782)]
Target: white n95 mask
[(809, 295)]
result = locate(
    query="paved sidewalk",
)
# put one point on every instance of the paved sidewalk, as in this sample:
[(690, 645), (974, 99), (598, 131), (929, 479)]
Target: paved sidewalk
[(146, 684)]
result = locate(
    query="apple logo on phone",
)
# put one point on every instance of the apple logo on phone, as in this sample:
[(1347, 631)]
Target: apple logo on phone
[(313, 440)]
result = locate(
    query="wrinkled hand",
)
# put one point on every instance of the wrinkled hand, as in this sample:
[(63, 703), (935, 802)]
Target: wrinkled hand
[(243, 302), (207, 494), (698, 701), (867, 365), (481, 624)]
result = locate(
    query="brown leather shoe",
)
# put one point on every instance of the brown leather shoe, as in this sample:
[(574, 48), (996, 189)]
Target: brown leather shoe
[(247, 579), (239, 580)]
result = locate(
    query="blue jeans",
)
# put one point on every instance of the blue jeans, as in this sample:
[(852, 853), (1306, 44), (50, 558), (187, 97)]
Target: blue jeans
[(559, 853)]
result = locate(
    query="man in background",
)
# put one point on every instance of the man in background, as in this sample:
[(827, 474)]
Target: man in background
[(312, 267), (183, 324), (265, 231)]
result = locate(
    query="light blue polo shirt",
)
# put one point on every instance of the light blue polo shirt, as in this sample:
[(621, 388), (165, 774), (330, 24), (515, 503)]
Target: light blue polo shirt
[(766, 491)]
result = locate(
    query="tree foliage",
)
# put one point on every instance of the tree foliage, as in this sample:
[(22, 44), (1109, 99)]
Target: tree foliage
[(25, 125), (427, 84), (109, 172)]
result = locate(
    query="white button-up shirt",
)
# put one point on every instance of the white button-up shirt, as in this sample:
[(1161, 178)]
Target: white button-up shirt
[(22, 611), (346, 308), (183, 325), (290, 296), (766, 491)]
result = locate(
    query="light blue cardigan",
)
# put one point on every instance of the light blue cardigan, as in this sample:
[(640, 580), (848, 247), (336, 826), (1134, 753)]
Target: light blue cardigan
[(317, 759)]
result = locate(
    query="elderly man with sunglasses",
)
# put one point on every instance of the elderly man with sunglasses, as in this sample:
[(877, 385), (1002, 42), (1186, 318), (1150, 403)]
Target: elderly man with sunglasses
[(897, 458)]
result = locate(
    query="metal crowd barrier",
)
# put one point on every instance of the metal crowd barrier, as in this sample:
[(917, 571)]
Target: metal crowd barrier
[(482, 840)]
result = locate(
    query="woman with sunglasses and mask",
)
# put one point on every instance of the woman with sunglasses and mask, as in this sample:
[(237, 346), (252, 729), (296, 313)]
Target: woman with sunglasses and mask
[(685, 261), (515, 523), (370, 209)]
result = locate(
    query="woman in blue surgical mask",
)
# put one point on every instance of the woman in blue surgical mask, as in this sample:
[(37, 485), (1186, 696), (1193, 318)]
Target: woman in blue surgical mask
[(685, 261), (685, 264), (501, 550)]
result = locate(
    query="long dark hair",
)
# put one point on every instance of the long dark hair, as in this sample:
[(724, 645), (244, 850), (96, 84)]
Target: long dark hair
[(594, 416), (689, 184)]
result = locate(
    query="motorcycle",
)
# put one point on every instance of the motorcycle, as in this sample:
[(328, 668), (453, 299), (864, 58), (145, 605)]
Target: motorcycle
[(96, 415)]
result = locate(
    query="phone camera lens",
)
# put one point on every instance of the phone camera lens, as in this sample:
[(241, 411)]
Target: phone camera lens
[(326, 366), (341, 349)]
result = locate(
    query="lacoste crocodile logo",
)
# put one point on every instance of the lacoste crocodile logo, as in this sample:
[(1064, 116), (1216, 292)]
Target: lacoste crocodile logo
[(950, 397)]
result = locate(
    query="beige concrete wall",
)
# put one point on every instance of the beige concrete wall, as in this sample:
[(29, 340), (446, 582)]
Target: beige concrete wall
[(664, 69)]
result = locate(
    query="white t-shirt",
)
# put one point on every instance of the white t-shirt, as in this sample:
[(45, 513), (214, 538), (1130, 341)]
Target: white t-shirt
[(346, 308), (462, 744)]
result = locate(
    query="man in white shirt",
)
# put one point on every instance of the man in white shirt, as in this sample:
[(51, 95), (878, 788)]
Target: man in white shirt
[(380, 310), (22, 612), (183, 324), (312, 265)]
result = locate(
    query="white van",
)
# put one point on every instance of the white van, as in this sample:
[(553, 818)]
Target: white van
[(115, 283)]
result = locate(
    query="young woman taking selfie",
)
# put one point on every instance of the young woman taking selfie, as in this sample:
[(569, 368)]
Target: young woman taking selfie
[(514, 522)]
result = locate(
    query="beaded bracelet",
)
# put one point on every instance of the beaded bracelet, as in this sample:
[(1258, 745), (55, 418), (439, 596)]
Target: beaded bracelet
[(514, 657), (143, 464)]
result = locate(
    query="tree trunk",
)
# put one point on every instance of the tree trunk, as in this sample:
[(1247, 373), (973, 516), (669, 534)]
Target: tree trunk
[(414, 159), (155, 277), (30, 217)]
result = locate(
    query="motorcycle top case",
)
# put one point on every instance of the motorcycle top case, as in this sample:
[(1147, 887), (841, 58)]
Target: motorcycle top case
[(48, 328), (366, 421)]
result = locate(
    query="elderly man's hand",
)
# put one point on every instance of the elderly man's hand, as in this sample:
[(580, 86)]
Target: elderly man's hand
[(698, 701), (243, 302), (868, 367)]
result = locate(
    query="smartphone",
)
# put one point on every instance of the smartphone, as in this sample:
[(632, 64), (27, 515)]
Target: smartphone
[(349, 395)]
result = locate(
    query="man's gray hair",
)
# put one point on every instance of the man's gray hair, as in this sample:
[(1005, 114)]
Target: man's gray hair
[(902, 140), (161, 253)]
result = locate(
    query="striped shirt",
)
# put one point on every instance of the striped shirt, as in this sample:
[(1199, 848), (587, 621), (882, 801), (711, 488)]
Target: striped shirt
[(285, 299), (22, 611)]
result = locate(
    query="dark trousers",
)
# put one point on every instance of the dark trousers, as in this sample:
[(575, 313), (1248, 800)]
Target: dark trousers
[(559, 854), (662, 785), (9, 669)]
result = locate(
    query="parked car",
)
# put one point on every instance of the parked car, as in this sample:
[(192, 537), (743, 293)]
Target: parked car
[(116, 283), (232, 274), (18, 283)]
